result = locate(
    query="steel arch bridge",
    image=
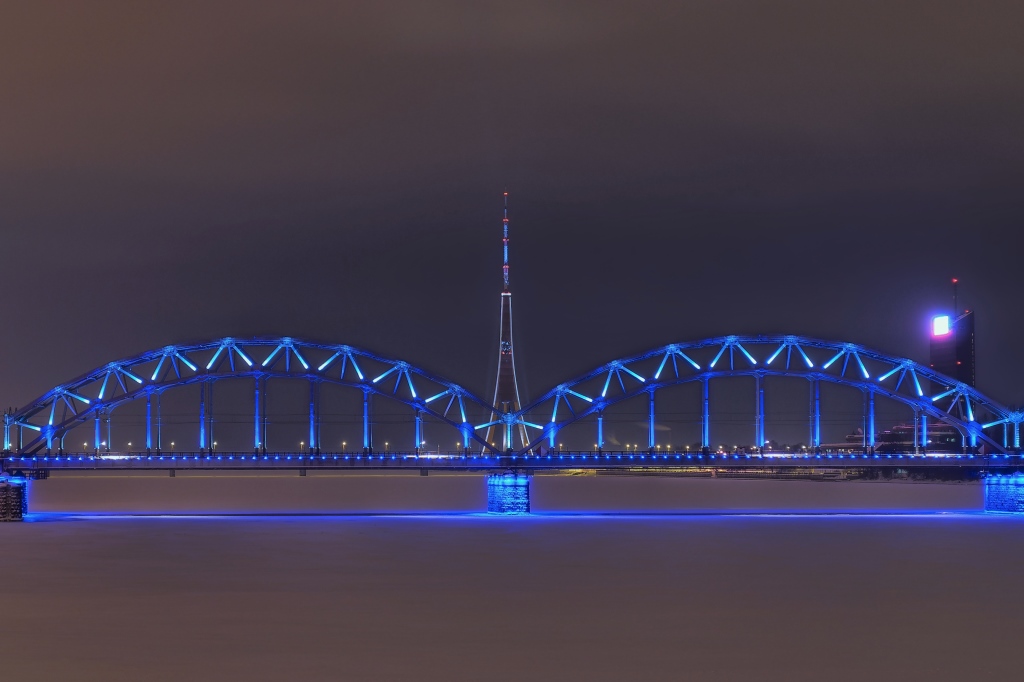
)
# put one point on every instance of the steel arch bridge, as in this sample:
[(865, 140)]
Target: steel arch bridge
[(979, 419), (95, 395), (44, 423)]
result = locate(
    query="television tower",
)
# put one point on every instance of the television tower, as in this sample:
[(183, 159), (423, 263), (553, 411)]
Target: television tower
[(506, 390)]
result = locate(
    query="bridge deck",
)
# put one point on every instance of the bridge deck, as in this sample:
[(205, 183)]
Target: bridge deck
[(483, 463)]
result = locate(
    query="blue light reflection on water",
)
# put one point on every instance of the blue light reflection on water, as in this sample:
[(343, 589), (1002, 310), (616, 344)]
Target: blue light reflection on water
[(938, 514)]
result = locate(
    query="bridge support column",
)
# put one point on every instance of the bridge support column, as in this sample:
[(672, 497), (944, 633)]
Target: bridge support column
[(318, 418), (1016, 435), (313, 442), (924, 433), (871, 420), (600, 431), (367, 436), (1004, 493), (650, 424), (149, 424), (7, 432), (917, 432), (759, 417), (815, 439), (508, 493), (211, 443), (202, 416), (257, 440), (419, 430), (96, 429), (13, 498), (159, 426), (705, 430)]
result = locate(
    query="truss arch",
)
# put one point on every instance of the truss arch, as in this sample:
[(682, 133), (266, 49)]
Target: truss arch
[(929, 393), (97, 393)]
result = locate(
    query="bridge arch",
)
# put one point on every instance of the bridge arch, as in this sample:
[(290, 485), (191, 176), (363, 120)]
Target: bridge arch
[(930, 394), (93, 396)]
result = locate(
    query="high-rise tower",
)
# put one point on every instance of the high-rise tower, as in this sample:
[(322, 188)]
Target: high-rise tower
[(506, 390)]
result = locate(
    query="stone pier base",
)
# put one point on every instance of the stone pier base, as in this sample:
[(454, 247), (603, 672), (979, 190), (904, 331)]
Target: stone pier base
[(1004, 493), (13, 499), (508, 493)]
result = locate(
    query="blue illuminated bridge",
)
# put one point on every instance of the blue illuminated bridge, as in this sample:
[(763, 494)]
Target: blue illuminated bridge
[(223, 404)]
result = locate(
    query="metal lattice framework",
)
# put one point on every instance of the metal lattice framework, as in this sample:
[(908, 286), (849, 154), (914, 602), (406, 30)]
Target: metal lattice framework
[(95, 395), (927, 392)]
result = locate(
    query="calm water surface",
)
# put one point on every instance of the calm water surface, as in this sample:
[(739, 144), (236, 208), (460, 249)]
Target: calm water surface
[(710, 596)]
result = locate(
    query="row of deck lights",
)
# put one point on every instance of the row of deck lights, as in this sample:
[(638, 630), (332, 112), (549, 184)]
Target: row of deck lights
[(583, 456)]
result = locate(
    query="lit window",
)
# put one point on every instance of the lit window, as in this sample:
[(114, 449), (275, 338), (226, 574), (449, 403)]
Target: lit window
[(940, 325)]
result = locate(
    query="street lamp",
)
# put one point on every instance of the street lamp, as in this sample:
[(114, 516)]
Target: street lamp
[(343, 446), (385, 447)]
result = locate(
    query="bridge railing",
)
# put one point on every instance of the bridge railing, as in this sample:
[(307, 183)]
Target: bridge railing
[(488, 462)]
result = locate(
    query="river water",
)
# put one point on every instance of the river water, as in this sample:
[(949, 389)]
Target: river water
[(622, 591)]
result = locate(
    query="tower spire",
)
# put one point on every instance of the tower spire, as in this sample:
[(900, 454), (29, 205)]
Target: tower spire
[(504, 242), (506, 389)]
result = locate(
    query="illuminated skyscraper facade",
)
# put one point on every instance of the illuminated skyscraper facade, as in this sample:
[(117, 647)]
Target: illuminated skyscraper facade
[(952, 346)]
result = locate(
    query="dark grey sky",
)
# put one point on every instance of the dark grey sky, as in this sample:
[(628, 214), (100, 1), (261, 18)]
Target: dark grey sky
[(677, 170)]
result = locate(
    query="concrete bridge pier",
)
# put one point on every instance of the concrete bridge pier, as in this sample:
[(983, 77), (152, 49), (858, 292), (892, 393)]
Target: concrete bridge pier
[(13, 498), (1004, 493), (508, 493)]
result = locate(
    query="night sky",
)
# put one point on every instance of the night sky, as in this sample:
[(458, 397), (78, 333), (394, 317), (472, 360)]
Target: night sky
[(677, 170)]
